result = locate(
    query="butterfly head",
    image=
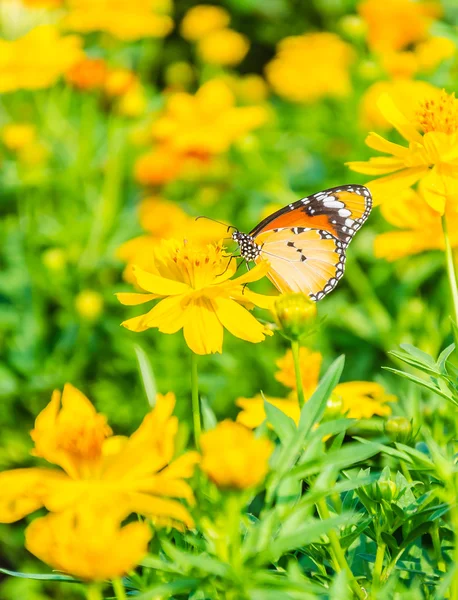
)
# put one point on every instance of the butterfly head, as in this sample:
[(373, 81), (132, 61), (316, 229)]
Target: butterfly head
[(249, 249)]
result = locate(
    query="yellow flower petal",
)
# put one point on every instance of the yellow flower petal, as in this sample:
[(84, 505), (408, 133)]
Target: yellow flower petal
[(377, 142), (202, 328), (24, 491), (387, 186), (168, 315), (132, 299), (135, 324), (161, 507), (394, 245), (377, 166), (159, 285), (394, 116), (238, 321), (254, 274)]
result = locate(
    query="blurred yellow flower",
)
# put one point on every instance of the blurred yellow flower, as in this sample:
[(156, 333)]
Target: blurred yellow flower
[(38, 59), (119, 82), (198, 296), (397, 24), (419, 227), (16, 136), (433, 51), (126, 20), (310, 362), (158, 167), (253, 412), (89, 304), (88, 74), (310, 67), (206, 123), (163, 220), (224, 47), (43, 3), (432, 156), (406, 94), (233, 458), (202, 19), (89, 543), (133, 102), (356, 400), (138, 474)]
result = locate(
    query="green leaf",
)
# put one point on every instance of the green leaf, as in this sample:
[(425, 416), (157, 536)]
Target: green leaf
[(41, 576), (340, 590), (422, 383), (201, 562), (147, 374), (443, 357), (168, 589), (307, 533), (209, 420), (283, 425), (421, 356)]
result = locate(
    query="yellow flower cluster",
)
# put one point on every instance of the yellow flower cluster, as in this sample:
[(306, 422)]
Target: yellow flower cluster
[(310, 67), (103, 479), (430, 157), (38, 59), (357, 399), (196, 128), (197, 295), (216, 43), (126, 20)]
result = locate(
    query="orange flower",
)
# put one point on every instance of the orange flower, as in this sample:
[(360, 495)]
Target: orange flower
[(88, 74)]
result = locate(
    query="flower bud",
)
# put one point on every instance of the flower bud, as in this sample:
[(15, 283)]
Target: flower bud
[(384, 489), (54, 259), (353, 27), (89, 304), (180, 75), (334, 406), (295, 315), (399, 429)]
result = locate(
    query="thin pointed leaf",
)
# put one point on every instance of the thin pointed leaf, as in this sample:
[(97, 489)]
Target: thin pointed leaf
[(147, 374)]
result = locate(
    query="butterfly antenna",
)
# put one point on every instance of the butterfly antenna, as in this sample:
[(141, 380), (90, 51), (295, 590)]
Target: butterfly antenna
[(216, 221)]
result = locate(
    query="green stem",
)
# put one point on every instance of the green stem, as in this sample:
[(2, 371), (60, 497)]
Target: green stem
[(337, 554), (195, 400), (94, 592), (378, 566), (297, 370), (450, 269), (437, 547), (118, 588)]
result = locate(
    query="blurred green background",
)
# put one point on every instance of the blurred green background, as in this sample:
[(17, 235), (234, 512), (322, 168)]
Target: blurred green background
[(77, 116)]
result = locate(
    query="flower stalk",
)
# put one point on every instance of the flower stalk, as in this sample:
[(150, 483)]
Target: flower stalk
[(118, 588), (450, 268), (297, 371), (94, 592), (196, 418)]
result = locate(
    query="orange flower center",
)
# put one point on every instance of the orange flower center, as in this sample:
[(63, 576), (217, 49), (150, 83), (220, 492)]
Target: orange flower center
[(83, 440), (440, 115)]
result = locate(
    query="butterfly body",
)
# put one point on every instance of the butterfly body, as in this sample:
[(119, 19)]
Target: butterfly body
[(305, 242)]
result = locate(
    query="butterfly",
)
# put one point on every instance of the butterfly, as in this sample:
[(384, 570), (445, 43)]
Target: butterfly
[(305, 242)]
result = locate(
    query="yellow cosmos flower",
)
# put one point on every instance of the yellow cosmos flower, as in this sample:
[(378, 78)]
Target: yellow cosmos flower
[(310, 67), (433, 51), (16, 136), (197, 295), (356, 400), (206, 123), (233, 458), (126, 20), (138, 474), (223, 47), (163, 220), (396, 24), (89, 543), (38, 59), (432, 154), (419, 227), (202, 19), (406, 94)]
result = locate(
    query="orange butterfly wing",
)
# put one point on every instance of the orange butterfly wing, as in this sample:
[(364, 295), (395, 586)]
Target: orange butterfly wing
[(309, 261), (340, 211)]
